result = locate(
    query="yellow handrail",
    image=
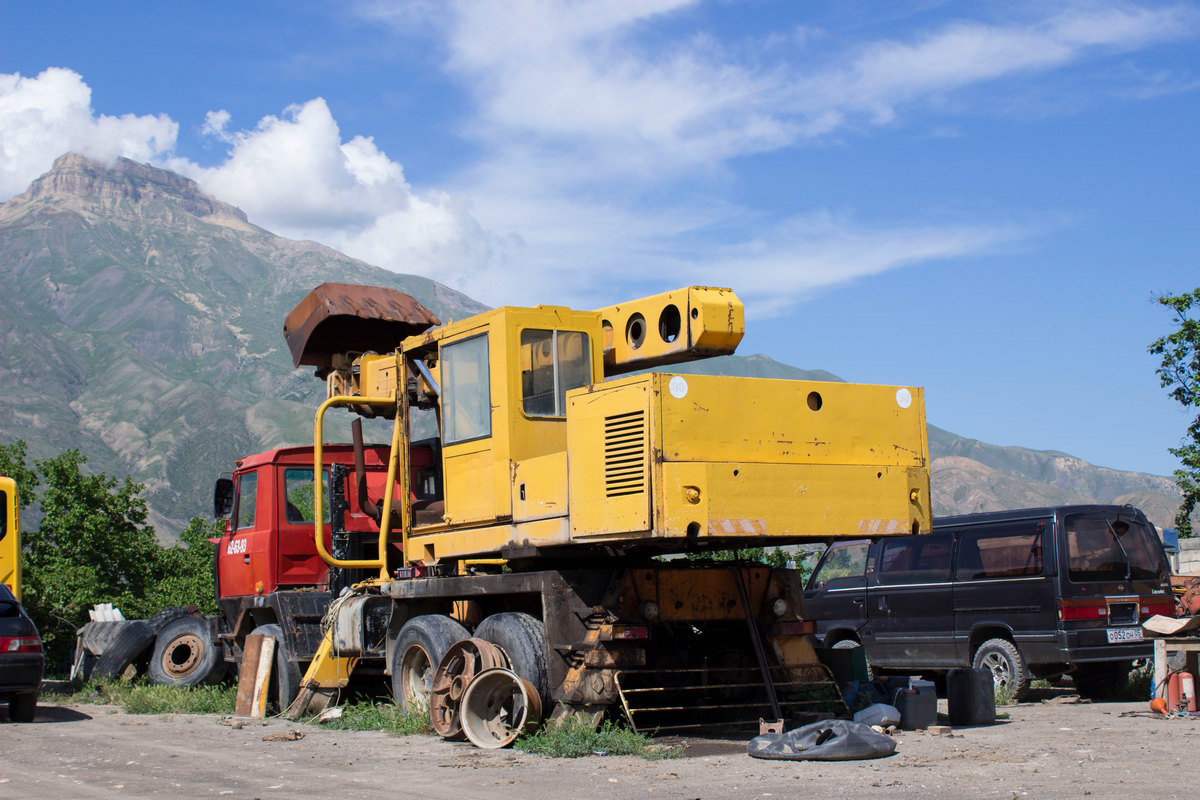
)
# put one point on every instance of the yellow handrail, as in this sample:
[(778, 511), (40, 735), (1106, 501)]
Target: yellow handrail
[(385, 508)]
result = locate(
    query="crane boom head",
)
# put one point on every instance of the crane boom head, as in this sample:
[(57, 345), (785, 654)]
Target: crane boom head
[(336, 322)]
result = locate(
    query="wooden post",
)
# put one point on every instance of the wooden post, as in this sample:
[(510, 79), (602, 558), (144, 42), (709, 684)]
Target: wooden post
[(254, 676)]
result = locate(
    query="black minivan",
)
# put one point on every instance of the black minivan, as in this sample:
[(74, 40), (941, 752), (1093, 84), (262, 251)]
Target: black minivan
[(1027, 594)]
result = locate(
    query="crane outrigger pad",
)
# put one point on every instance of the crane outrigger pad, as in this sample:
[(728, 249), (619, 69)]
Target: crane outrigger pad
[(337, 318)]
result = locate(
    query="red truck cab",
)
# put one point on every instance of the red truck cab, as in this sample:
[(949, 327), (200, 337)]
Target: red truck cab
[(268, 539)]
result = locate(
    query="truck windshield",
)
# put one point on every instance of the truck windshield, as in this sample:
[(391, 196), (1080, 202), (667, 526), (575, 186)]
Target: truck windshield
[(247, 502), (1109, 548)]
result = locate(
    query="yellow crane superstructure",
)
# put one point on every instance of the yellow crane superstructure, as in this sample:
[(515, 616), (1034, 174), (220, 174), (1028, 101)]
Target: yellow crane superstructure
[(566, 478)]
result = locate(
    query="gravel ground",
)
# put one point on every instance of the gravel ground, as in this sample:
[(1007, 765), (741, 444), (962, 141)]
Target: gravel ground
[(1044, 749)]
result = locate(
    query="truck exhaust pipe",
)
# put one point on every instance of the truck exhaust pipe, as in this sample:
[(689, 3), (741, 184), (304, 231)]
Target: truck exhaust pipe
[(368, 506)]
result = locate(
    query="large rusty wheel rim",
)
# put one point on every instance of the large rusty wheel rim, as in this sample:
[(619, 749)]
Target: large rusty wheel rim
[(499, 706), (182, 655), (416, 675), (463, 661)]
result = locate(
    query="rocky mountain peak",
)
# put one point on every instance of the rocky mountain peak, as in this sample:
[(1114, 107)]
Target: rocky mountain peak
[(83, 184)]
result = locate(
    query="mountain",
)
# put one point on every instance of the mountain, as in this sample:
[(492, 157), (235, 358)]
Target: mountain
[(141, 323)]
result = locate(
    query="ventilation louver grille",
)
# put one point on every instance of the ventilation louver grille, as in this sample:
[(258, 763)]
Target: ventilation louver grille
[(625, 454)]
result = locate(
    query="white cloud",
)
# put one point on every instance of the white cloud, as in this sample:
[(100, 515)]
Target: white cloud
[(885, 74), (579, 77), (606, 147), (43, 117), (294, 175)]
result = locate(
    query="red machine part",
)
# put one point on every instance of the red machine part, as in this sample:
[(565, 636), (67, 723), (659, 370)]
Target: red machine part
[(1181, 692), (1187, 593)]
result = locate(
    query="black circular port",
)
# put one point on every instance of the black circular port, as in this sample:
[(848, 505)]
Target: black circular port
[(669, 323), (814, 401), (635, 331)]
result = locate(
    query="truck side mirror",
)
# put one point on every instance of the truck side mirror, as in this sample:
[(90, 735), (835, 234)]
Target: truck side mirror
[(223, 498)]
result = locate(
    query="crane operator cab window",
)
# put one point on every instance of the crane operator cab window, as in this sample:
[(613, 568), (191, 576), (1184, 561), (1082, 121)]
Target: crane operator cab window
[(552, 363), (466, 393)]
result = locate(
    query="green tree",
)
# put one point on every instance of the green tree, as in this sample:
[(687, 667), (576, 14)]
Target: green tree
[(93, 546), (1180, 372), (12, 464), (186, 570), (776, 558)]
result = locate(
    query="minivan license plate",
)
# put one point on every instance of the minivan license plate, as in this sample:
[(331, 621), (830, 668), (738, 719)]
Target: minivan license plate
[(1124, 635)]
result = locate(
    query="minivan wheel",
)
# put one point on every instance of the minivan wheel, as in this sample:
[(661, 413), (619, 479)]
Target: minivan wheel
[(1002, 658)]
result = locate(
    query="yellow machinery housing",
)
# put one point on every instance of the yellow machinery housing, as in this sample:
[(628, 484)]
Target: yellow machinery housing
[(539, 451), (10, 537), (555, 459)]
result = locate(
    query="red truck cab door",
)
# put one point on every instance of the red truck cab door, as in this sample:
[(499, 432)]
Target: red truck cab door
[(299, 564), (245, 556)]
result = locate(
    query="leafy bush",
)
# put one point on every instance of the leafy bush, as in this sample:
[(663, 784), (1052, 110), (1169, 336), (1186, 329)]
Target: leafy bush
[(94, 546)]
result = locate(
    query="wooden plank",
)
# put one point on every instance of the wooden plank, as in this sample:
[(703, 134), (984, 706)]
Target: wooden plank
[(247, 673), (262, 678)]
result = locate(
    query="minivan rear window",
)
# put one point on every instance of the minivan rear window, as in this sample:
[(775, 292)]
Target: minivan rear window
[(1100, 548), (1007, 553)]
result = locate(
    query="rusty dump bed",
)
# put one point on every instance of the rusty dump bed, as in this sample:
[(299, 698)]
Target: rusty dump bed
[(343, 317)]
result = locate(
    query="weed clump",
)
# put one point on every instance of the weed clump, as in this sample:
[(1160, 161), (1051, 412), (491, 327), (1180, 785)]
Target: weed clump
[(576, 738)]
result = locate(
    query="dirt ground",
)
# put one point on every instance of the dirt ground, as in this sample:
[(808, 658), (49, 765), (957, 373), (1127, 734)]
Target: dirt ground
[(1044, 749)]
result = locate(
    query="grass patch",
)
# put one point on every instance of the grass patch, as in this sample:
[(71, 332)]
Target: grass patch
[(1004, 696), (576, 738), (397, 721), (144, 698)]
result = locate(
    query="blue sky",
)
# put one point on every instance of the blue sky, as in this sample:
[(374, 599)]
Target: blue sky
[(981, 199)]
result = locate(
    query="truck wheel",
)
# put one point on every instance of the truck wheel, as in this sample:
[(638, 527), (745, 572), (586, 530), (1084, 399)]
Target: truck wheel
[(419, 648), (161, 619), (131, 644), (285, 677), (185, 654), (1002, 658), (523, 638), (22, 707)]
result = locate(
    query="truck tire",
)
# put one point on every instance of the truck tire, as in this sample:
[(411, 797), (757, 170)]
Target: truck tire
[(285, 677), (185, 654), (161, 619), (523, 638), (419, 648), (1002, 658), (22, 707), (127, 648)]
